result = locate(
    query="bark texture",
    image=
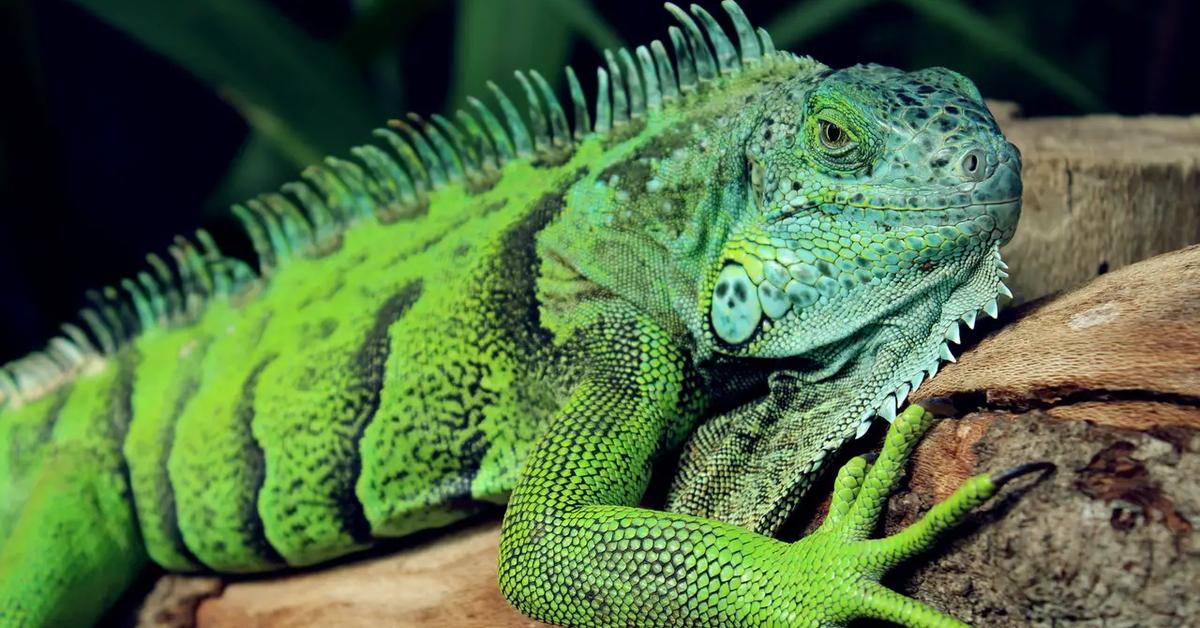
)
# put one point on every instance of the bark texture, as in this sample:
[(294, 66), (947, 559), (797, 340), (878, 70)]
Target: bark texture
[(1101, 192)]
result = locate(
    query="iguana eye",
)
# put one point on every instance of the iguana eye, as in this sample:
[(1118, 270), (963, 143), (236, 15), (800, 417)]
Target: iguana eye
[(833, 137)]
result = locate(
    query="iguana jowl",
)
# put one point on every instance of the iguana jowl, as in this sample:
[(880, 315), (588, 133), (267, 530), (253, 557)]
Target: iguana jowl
[(739, 251)]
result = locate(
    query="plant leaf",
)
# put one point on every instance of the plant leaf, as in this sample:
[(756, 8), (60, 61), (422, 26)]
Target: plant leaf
[(496, 37), (299, 93), (583, 18), (807, 19), (977, 28)]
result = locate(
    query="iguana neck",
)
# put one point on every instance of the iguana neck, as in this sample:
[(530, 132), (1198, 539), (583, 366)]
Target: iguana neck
[(845, 384), (650, 218)]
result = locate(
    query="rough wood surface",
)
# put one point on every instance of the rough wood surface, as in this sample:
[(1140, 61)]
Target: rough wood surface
[(1101, 192), (1104, 382), (450, 581)]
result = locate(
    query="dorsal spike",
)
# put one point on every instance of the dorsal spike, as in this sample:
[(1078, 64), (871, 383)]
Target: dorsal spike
[(124, 311), (9, 393), (54, 369), (20, 385), (429, 159), (45, 369), (295, 227), (620, 108), (79, 338), (488, 160), (683, 57), (141, 304), (409, 163), (408, 158), (28, 372), (70, 357), (500, 139), (558, 118), (112, 320), (583, 121), (199, 269), (279, 237), (99, 329), (705, 66), (193, 299), (467, 157), (747, 39), (603, 102), (324, 226), (537, 118), (360, 188), (764, 39), (241, 275), (334, 194), (121, 307), (633, 81), (168, 286), (158, 303), (326, 235), (258, 239), (666, 74), (516, 127), (216, 263), (727, 55), (650, 77), (393, 180), (450, 158)]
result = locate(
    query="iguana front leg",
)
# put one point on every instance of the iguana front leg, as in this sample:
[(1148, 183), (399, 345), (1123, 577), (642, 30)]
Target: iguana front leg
[(576, 551)]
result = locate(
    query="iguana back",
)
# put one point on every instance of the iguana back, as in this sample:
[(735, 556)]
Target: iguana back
[(387, 367)]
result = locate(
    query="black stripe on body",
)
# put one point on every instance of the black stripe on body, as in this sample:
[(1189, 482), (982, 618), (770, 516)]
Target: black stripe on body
[(252, 528), (511, 303), (120, 414), (188, 389), (370, 363)]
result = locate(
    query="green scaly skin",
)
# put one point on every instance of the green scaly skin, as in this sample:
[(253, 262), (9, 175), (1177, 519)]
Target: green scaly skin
[(472, 314)]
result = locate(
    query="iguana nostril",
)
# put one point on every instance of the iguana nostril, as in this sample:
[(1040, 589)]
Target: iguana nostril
[(973, 164)]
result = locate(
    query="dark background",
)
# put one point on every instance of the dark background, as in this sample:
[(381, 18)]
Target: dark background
[(123, 123)]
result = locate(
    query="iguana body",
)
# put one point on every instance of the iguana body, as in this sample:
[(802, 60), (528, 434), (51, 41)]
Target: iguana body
[(476, 311)]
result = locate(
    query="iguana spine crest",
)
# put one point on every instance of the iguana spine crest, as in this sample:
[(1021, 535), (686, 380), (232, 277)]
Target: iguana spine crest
[(307, 218)]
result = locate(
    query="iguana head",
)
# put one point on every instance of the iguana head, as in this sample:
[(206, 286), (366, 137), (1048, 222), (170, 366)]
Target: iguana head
[(879, 201)]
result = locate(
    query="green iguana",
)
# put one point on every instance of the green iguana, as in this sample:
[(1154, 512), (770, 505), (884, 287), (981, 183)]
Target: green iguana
[(739, 254)]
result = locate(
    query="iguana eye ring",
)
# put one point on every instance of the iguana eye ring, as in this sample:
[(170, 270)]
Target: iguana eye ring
[(833, 137)]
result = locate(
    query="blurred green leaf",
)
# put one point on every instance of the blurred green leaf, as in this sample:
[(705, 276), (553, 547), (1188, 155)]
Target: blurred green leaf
[(977, 28), (299, 93), (496, 37), (257, 167), (807, 19), (581, 16)]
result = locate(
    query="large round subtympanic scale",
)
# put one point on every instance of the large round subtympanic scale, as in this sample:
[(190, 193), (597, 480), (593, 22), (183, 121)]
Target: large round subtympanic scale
[(735, 310)]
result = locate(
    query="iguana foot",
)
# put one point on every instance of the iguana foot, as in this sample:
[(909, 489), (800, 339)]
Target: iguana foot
[(840, 567)]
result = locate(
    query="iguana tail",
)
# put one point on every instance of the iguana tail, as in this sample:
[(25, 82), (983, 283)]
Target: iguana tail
[(69, 540)]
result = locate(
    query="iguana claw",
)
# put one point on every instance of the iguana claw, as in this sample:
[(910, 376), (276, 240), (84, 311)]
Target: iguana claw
[(841, 566), (1008, 475)]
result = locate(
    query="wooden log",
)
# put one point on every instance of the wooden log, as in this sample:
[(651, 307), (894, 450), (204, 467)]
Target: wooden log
[(1101, 192)]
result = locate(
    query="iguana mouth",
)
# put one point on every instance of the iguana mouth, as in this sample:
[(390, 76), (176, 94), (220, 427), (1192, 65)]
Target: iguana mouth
[(905, 216)]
